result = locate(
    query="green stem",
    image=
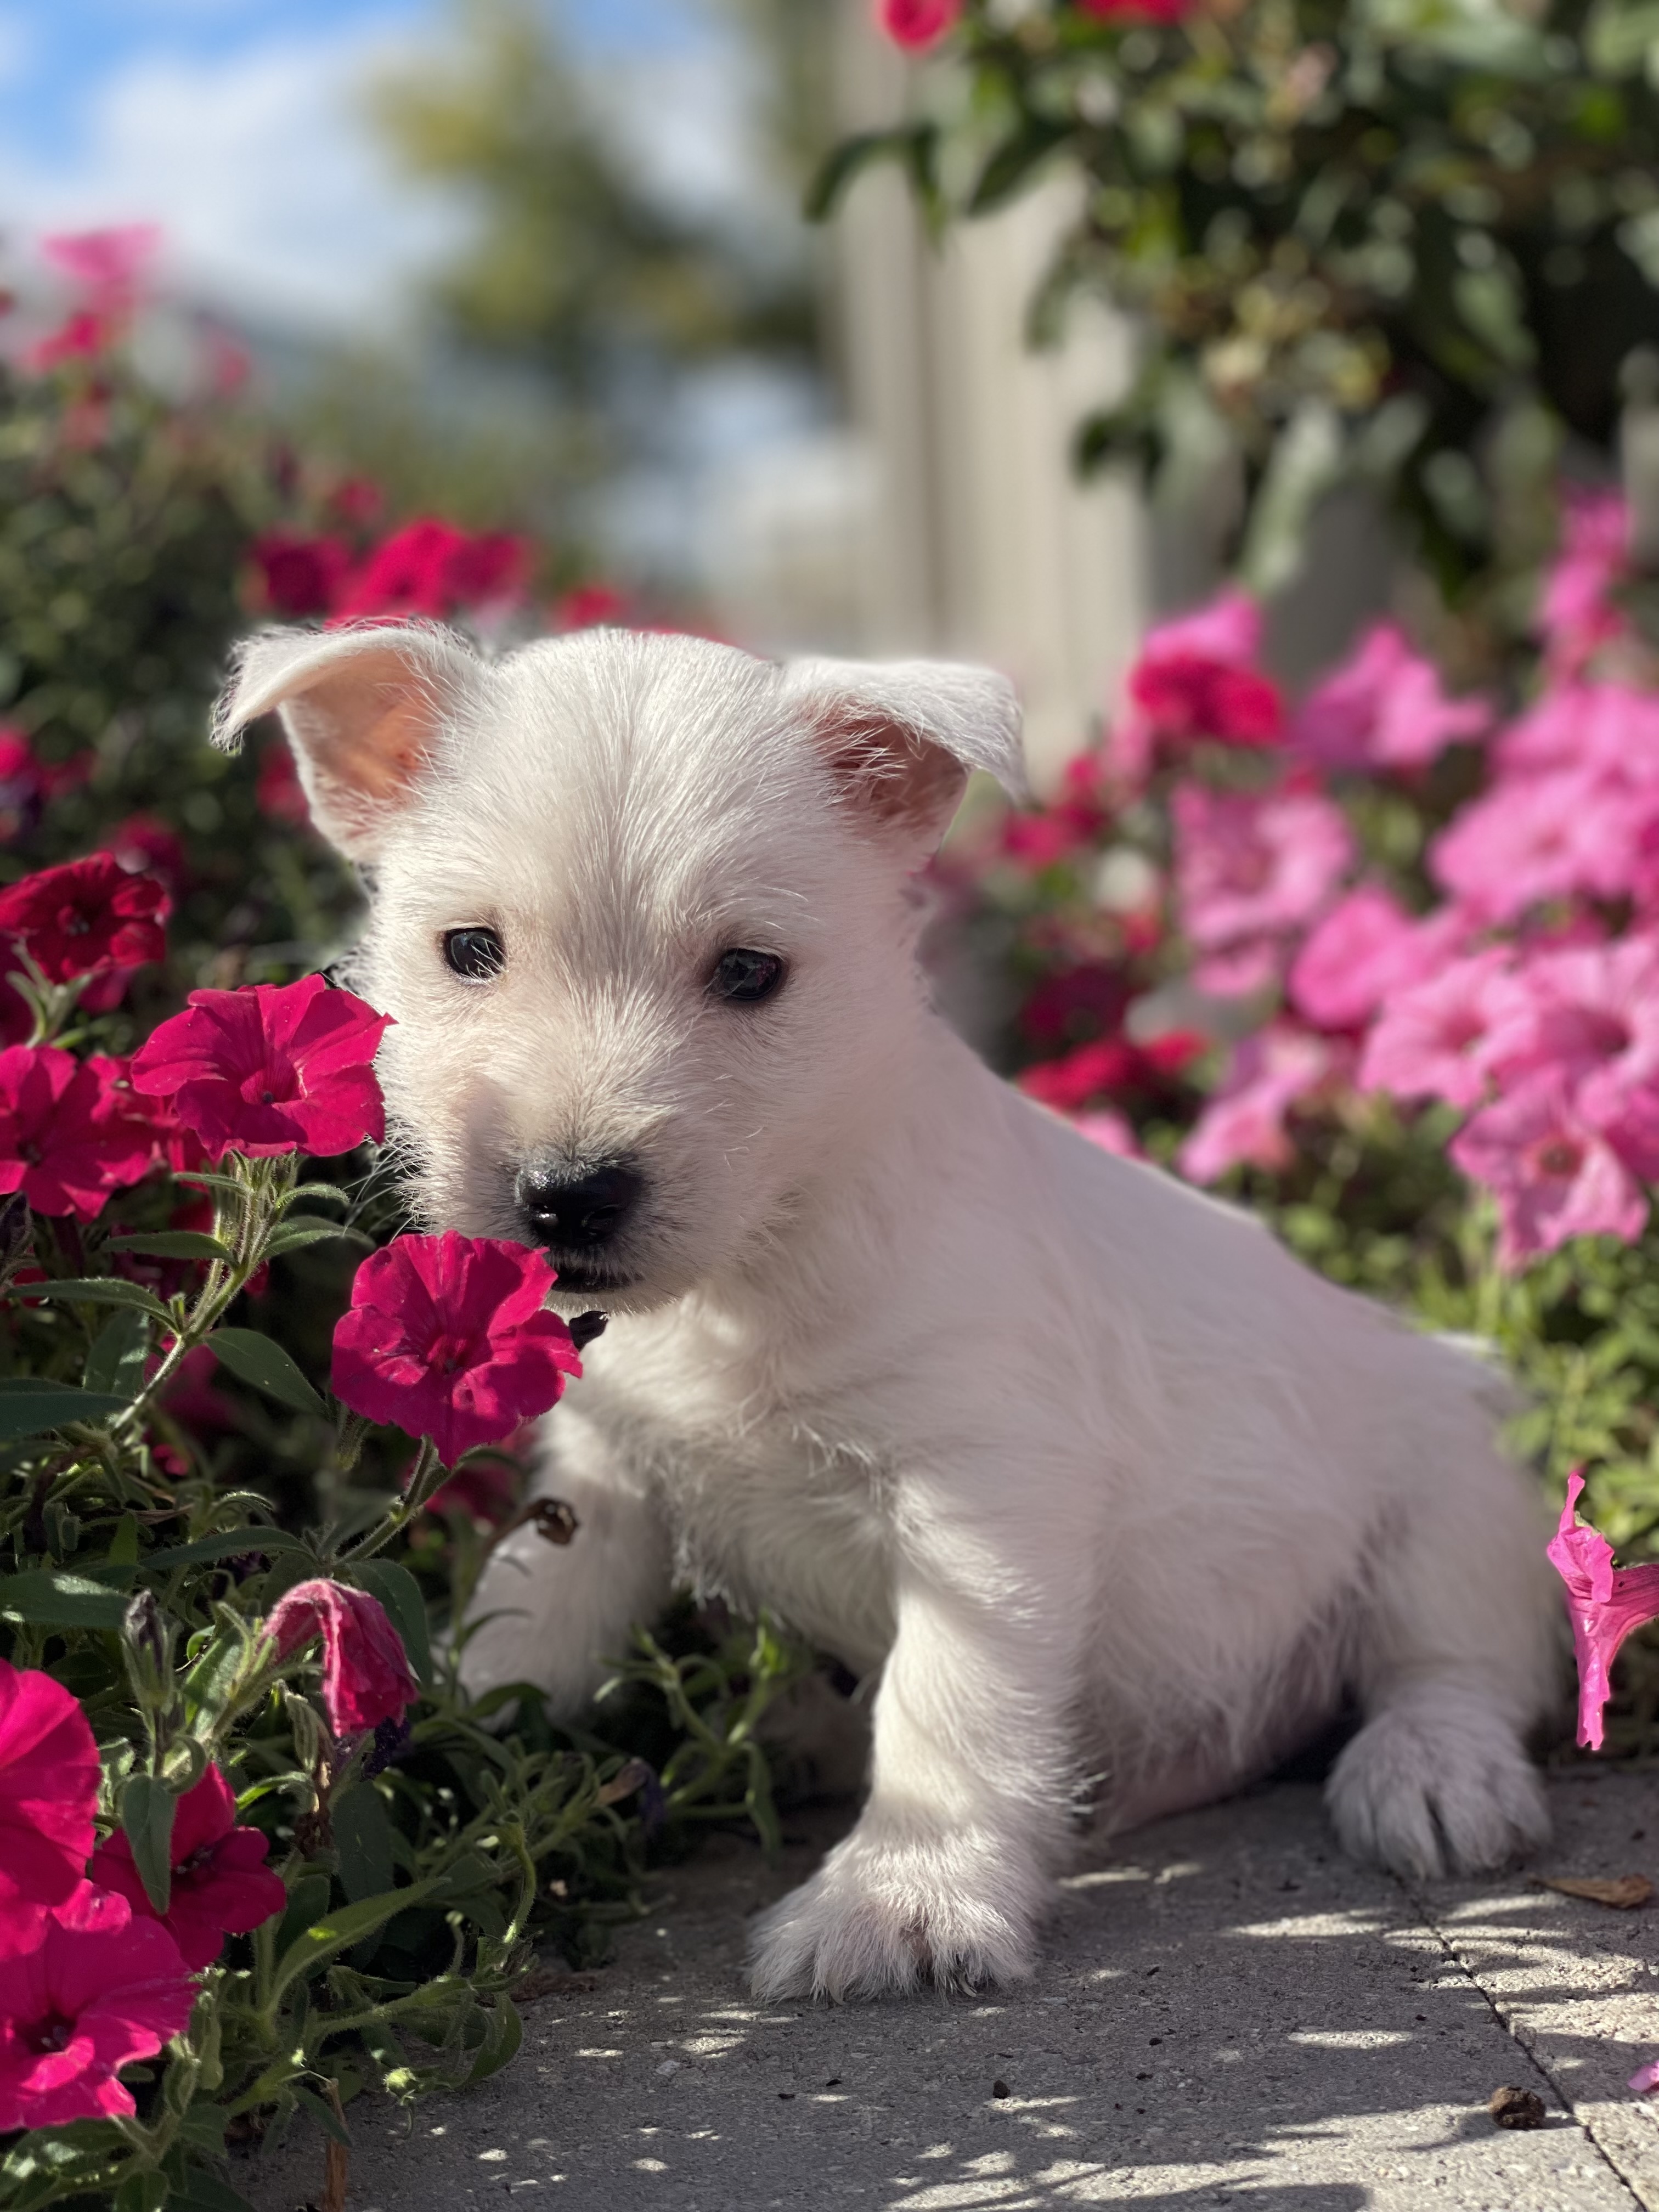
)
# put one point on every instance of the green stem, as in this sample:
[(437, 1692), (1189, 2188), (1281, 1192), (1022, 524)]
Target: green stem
[(427, 1473)]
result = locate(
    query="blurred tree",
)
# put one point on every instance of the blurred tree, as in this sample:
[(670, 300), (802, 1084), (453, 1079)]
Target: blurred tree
[(576, 267)]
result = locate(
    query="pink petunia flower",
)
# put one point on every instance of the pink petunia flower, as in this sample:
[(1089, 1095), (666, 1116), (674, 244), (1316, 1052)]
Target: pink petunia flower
[(1244, 1120), (1591, 1010), (430, 567), (1606, 726), (1367, 948), (97, 1990), (1605, 1605), (1430, 1040), (448, 1337), (367, 1677), (49, 1776), (915, 24), (108, 262), (220, 1883), (269, 1068), (65, 1142), (1383, 708), (1576, 613), (1107, 1129), (87, 918), (1553, 1174), (1248, 868), (1546, 837)]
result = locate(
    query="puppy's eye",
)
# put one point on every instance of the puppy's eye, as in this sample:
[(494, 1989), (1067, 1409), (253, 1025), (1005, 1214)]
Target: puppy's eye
[(743, 978), (476, 954)]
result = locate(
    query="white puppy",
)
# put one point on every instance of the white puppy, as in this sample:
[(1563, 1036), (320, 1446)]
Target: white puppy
[(1107, 1491)]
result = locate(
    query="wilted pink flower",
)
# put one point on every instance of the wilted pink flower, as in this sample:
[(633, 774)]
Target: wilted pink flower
[(220, 1883), (1575, 612), (95, 1991), (269, 1068), (65, 1140), (1546, 837), (1430, 1039), (86, 918), (1367, 948), (917, 23), (1243, 1121), (1554, 1175), (448, 1337), (1383, 708), (1248, 867), (1605, 1605), (49, 1776), (367, 1677)]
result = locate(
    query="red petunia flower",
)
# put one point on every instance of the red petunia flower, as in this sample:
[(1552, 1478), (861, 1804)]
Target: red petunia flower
[(367, 1677), (143, 842), (1605, 1605), (446, 1337), (98, 1990), (88, 918), (296, 575), (269, 1068), (917, 23), (221, 1884), (66, 1139), (48, 1793), (430, 567)]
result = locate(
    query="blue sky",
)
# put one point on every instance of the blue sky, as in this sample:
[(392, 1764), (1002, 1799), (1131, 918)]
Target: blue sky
[(236, 125)]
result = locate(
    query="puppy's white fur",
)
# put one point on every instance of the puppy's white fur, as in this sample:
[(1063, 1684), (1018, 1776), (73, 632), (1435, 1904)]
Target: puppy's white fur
[(1106, 1489)]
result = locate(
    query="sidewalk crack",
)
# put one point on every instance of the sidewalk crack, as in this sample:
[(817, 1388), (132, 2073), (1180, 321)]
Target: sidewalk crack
[(1520, 2037)]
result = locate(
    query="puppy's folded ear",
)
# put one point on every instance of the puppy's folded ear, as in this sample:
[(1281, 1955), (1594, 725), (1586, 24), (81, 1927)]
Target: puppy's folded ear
[(901, 736), (363, 709)]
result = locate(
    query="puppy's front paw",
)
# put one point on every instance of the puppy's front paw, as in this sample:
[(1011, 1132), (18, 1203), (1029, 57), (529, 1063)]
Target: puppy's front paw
[(1438, 1785), (883, 1917)]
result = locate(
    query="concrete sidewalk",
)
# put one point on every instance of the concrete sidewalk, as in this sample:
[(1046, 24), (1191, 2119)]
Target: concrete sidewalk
[(1227, 2013)]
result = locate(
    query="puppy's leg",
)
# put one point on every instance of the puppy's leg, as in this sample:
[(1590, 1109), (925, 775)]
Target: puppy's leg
[(946, 1872), (554, 1614), (1458, 1651)]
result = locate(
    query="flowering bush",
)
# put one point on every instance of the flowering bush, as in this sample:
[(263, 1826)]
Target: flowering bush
[(258, 1849), (1384, 959)]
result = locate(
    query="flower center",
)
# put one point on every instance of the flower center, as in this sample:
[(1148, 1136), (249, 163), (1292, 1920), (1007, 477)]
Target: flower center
[(54, 2033), (29, 1154), (1559, 1156), (448, 1355)]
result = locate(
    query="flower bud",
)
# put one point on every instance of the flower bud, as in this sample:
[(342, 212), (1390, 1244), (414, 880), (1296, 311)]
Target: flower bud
[(16, 1240), (147, 1648)]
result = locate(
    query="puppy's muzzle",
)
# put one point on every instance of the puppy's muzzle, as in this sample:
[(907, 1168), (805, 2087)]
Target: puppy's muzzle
[(579, 1216)]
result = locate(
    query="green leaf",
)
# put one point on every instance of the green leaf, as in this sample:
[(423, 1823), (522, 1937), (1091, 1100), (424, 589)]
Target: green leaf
[(115, 1363), (363, 1836), (46, 1597), (255, 1358), (400, 1594), (96, 1290), (28, 1407), (1011, 166), (205, 2192), (229, 1544), (343, 1928), (324, 2115), (914, 144), (174, 1245), (501, 2040), (146, 1810), (293, 1236)]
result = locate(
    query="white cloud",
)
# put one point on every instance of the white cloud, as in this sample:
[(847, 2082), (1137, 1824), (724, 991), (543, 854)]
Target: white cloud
[(274, 199)]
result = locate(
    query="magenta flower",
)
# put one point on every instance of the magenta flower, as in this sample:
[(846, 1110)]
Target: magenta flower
[(269, 1068), (1243, 1121), (1249, 867), (220, 1883), (1605, 1605), (88, 918), (1553, 1174), (1432, 1039), (1576, 613), (48, 1776), (1195, 678), (108, 262), (299, 575), (367, 1677), (430, 567), (1591, 1010), (1383, 708), (1540, 838), (1606, 725), (1366, 949), (98, 1990), (446, 1337), (917, 23), (67, 1138)]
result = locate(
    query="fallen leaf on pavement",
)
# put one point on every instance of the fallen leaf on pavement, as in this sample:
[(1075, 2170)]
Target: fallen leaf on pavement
[(1624, 1892)]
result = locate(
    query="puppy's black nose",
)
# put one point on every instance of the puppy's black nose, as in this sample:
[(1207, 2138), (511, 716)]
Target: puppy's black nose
[(579, 1212)]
